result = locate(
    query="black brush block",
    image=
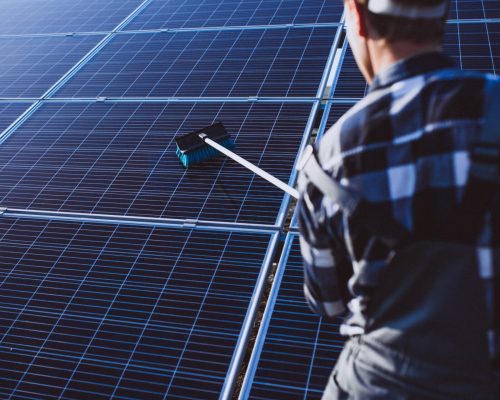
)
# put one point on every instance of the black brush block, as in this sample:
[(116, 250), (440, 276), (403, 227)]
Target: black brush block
[(192, 141)]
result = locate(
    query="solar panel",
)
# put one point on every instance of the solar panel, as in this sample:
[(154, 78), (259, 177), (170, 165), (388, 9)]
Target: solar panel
[(9, 112), (120, 159), (54, 16), (295, 350), (210, 13), (333, 113), (474, 9), (261, 62), (101, 311), (29, 66), (350, 84), (473, 46)]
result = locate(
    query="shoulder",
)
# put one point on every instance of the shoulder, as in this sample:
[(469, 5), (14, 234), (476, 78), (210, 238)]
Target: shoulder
[(387, 115), (351, 132), (452, 95)]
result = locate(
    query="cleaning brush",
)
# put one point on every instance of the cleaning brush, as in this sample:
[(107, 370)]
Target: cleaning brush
[(192, 150), (203, 144)]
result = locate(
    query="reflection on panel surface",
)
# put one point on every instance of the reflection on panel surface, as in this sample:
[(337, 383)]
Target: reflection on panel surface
[(29, 66), (57, 16), (242, 63)]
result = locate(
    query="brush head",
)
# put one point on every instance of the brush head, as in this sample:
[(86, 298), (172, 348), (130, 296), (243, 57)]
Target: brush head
[(192, 150)]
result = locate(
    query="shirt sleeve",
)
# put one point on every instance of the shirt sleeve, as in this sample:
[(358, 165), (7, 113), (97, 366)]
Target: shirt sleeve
[(327, 266)]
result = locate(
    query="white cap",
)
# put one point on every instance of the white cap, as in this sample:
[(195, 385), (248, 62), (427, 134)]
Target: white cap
[(396, 9)]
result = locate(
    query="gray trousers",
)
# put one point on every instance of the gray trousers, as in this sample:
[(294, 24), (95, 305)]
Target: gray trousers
[(368, 371)]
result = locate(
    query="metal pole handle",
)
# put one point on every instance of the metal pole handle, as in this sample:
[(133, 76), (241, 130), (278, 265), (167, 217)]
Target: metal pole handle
[(263, 174)]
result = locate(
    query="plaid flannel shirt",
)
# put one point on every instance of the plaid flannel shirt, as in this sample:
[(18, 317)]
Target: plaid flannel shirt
[(405, 147)]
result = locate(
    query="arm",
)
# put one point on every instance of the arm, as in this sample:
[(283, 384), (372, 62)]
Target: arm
[(327, 266)]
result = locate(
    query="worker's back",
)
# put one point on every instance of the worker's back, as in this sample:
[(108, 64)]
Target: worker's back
[(420, 318), (400, 215), (430, 313)]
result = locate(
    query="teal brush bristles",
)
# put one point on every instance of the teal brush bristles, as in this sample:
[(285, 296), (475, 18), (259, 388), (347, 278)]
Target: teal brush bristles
[(194, 157), (192, 149)]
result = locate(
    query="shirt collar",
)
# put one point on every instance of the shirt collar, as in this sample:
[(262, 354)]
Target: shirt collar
[(416, 65)]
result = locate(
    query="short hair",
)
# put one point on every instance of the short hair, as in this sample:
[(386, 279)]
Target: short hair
[(421, 30)]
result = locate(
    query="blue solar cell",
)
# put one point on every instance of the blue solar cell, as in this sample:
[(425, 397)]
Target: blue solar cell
[(300, 349), (209, 13), (29, 66), (120, 159), (474, 9), (350, 84), (101, 311), (262, 62), (473, 46), (56, 16), (9, 112), (334, 112)]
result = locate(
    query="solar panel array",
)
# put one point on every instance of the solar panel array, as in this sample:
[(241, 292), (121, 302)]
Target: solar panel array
[(122, 274)]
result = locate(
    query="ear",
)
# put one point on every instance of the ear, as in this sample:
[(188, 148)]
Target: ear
[(356, 10)]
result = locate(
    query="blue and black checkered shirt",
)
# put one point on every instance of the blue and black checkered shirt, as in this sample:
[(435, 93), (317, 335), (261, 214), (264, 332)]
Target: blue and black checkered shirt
[(405, 147)]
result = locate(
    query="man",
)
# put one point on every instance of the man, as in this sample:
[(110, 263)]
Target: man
[(400, 215)]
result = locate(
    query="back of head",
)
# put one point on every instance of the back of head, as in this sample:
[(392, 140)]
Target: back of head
[(418, 21)]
